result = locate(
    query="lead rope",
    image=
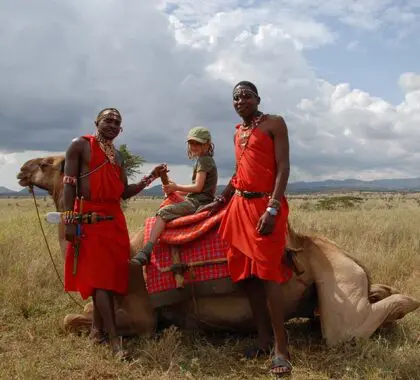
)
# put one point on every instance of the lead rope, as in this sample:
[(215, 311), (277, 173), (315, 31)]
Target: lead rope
[(31, 190)]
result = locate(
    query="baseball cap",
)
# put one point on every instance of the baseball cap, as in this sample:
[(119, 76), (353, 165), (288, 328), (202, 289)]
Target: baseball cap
[(199, 134)]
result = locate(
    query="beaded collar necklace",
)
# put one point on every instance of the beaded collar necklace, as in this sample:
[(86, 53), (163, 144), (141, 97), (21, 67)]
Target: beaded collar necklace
[(248, 128)]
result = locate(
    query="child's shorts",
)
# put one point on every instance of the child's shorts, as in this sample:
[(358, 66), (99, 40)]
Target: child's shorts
[(177, 210)]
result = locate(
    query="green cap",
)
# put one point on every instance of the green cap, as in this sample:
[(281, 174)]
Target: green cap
[(199, 134)]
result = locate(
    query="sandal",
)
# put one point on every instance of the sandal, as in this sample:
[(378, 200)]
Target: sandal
[(280, 366), (122, 355)]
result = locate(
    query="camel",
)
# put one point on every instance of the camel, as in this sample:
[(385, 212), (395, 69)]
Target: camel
[(333, 285)]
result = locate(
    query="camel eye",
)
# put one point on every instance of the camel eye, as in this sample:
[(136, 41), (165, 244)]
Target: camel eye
[(44, 165)]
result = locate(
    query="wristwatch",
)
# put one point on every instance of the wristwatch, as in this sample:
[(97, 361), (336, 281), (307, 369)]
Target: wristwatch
[(271, 210)]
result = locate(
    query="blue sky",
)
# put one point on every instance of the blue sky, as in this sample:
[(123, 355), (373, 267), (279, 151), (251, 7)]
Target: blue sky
[(367, 61), (345, 74)]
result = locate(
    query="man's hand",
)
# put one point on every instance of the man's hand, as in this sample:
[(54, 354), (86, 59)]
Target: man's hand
[(157, 170), (266, 224), (169, 188), (70, 230), (213, 207)]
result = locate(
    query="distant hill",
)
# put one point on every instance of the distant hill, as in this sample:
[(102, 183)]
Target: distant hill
[(378, 185), (5, 190)]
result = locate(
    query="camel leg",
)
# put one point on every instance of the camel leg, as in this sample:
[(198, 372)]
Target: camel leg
[(386, 311), (74, 323), (378, 292)]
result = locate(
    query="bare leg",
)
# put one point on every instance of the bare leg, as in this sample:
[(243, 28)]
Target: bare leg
[(255, 291), (157, 229), (105, 305), (97, 333), (275, 296), (143, 256)]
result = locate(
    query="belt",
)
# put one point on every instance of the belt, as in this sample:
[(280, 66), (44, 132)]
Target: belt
[(251, 194)]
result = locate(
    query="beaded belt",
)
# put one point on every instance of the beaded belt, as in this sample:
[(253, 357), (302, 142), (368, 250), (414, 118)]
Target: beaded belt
[(251, 194)]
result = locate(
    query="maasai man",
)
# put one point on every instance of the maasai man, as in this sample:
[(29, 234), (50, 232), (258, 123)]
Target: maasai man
[(95, 180), (255, 223)]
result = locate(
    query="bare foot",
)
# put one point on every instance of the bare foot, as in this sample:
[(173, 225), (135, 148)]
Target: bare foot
[(98, 336)]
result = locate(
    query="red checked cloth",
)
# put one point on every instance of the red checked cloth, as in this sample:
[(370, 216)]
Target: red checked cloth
[(208, 247)]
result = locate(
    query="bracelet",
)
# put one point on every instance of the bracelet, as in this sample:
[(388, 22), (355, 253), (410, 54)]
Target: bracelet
[(274, 203), (220, 199), (147, 180), (272, 211), (69, 180)]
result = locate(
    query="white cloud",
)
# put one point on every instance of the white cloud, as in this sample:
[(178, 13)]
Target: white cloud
[(169, 73), (410, 82)]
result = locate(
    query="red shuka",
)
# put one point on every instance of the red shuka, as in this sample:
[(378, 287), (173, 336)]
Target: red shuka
[(105, 246), (249, 253)]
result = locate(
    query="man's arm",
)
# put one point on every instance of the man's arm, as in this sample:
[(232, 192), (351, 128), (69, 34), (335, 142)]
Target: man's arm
[(72, 165), (135, 188), (132, 189), (281, 149), (228, 191)]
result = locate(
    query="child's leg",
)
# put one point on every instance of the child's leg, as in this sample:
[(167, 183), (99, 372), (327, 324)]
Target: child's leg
[(143, 256), (164, 215)]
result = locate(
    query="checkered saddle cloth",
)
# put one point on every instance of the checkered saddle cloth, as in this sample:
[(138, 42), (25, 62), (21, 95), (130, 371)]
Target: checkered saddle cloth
[(188, 251)]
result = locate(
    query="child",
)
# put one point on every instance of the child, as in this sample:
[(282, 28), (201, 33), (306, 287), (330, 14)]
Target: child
[(200, 193)]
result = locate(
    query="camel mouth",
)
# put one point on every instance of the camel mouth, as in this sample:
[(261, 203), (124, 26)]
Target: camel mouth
[(23, 182), (23, 179)]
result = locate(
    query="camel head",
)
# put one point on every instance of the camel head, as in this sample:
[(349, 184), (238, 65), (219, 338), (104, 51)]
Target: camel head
[(45, 173)]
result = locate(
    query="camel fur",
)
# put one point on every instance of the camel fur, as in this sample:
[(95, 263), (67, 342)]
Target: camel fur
[(333, 283)]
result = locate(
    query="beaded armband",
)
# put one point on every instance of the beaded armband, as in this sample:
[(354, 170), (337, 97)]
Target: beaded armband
[(70, 217), (70, 180), (147, 180)]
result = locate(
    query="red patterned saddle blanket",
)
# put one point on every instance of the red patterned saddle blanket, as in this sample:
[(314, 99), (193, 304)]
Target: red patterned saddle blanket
[(188, 251)]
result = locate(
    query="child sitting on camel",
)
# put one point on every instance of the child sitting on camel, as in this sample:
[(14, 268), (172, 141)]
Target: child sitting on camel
[(201, 192)]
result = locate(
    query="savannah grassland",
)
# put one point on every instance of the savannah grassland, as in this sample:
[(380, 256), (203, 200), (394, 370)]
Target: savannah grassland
[(381, 230)]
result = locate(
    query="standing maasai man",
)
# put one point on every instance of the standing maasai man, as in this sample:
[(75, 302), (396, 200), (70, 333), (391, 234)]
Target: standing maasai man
[(255, 223), (95, 180)]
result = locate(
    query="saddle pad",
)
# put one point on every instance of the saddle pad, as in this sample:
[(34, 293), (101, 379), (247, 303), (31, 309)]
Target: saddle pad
[(188, 228), (208, 248)]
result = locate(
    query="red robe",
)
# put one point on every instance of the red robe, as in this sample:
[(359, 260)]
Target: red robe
[(105, 246), (252, 254)]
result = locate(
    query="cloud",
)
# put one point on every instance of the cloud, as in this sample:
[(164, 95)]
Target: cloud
[(172, 68)]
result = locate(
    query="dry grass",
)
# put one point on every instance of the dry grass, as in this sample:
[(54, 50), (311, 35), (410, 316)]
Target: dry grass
[(381, 230)]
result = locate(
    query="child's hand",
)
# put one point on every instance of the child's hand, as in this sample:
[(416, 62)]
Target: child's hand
[(157, 170), (170, 187)]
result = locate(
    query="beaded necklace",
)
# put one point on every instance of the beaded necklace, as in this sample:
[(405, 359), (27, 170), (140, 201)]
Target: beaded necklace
[(107, 147), (247, 129)]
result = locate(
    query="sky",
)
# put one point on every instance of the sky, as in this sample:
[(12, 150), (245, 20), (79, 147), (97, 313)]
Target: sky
[(344, 74)]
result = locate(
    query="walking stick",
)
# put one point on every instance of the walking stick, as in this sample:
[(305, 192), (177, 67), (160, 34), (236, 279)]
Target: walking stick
[(78, 237)]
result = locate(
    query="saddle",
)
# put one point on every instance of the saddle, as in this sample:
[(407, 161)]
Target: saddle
[(195, 239)]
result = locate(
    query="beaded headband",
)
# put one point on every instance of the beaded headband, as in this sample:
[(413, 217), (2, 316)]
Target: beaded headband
[(110, 113), (243, 90)]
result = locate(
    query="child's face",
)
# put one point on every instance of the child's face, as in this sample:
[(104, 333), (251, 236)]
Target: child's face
[(197, 149)]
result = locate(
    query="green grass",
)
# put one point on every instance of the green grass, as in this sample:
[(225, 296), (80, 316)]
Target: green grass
[(382, 231)]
